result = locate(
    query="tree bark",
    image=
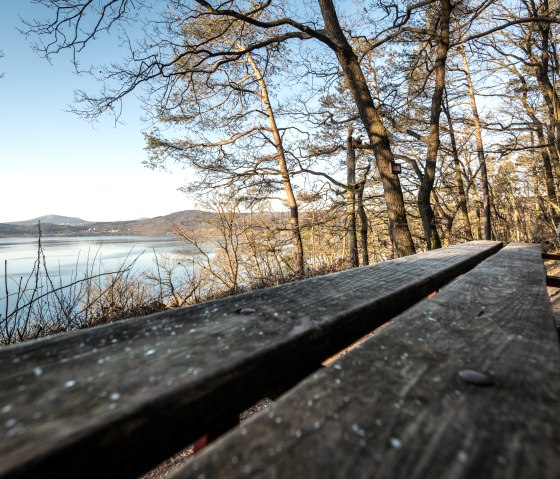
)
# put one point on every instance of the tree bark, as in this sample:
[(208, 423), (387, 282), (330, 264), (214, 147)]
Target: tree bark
[(544, 150), (427, 182), (548, 176), (553, 119), (549, 93), (284, 171), (399, 231), (351, 199), (479, 150), (541, 68), (537, 232), (463, 207), (363, 222), (447, 223)]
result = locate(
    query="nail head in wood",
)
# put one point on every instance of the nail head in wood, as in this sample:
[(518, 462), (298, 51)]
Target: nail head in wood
[(477, 378)]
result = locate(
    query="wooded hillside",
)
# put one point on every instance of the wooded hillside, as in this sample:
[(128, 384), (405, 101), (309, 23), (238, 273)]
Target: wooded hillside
[(158, 226)]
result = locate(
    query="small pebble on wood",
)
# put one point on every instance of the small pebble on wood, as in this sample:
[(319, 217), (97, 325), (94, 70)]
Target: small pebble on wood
[(477, 378)]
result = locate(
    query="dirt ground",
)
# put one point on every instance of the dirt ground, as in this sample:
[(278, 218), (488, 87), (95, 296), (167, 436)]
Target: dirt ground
[(182, 457)]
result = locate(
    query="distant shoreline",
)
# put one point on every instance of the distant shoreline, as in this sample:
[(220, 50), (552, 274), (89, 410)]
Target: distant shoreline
[(85, 235), (47, 232), (158, 226)]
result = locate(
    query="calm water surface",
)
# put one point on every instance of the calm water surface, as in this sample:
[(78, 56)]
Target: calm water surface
[(70, 258)]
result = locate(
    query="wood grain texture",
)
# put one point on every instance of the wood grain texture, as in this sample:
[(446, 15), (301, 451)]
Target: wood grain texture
[(115, 400), (396, 407)]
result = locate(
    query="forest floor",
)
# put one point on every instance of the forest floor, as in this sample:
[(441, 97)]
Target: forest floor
[(182, 457)]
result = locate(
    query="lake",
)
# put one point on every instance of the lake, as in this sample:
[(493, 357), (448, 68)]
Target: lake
[(68, 258)]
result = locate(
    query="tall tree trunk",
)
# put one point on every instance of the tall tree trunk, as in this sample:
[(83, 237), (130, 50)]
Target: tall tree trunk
[(447, 224), (541, 64), (463, 208), (479, 150), (427, 182), (548, 176), (351, 199), (284, 171), (538, 212), (544, 149), (478, 203), (399, 231), (547, 88), (363, 222)]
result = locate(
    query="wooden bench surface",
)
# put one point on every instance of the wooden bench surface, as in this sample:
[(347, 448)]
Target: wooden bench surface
[(396, 407), (115, 400)]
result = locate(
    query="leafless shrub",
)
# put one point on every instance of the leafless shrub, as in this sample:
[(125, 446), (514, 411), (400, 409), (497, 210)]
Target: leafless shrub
[(241, 249), (40, 306)]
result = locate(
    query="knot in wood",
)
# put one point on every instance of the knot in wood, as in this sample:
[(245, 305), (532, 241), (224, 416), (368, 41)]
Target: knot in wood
[(246, 311)]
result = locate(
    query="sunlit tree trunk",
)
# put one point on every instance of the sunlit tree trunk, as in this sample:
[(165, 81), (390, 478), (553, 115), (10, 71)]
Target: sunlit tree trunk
[(479, 150), (427, 182), (377, 134), (363, 222), (537, 206), (550, 94), (463, 208), (283, 168), (351, 199), (544, 149)]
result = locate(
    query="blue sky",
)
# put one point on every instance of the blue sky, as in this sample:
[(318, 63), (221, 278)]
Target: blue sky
[(51, 161)]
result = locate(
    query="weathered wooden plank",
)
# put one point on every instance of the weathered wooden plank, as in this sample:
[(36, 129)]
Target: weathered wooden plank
[(113, 401), (397, 406)]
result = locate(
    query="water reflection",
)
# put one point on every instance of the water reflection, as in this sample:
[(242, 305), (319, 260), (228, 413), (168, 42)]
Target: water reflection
[(70, 258)]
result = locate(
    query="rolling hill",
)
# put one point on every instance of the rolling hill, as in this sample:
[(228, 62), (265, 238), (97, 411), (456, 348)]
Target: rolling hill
[(55, 225), (52, 219)]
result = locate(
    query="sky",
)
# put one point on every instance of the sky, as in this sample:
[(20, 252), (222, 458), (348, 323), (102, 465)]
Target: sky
[(53, 162)]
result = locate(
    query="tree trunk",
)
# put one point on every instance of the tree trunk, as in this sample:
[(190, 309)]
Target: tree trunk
[(541, 71), (537, 233), (351, 199), (447, 223), (544, 149), (549, 93), (479, 222), (377, 134), (363, 222), (463, 208), (548, 176), (427, 182), (284, 171), (479, 151)]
